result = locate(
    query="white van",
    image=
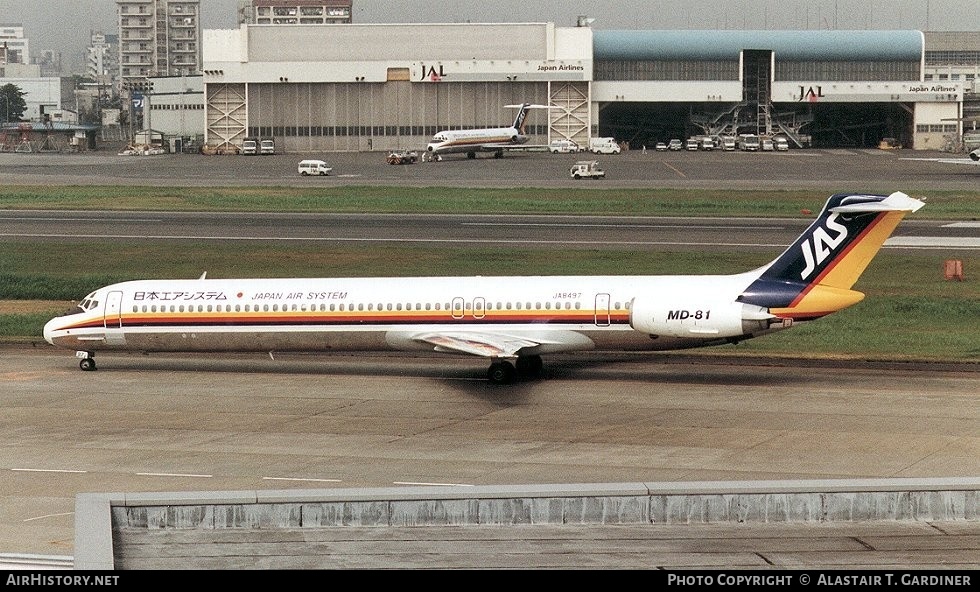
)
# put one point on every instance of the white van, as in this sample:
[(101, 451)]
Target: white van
[(313, 167), (563, 147), (604, 146)]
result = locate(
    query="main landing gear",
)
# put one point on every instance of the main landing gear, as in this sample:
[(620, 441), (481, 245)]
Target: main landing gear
[(86, 360), (504, 372)]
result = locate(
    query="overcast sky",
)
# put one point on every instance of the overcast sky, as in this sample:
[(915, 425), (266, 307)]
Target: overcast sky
[(64, 25)]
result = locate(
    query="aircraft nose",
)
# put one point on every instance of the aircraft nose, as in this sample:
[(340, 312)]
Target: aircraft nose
[(49, 331)]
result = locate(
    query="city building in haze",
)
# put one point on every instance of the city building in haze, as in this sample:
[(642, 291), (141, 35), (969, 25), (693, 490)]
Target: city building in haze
[(295, 12), (158, 38)]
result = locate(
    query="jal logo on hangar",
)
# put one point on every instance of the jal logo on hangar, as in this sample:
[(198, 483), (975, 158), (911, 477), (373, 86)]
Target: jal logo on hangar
[(433, 73)]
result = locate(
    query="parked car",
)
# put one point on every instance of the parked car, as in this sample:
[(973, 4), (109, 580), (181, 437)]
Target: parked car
[(767, 145), (675, 145), (313, 167), (563, 147), (661, 147), (587, 169)]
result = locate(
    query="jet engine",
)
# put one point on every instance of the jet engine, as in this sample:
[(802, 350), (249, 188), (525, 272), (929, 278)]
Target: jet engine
[(698, 319)]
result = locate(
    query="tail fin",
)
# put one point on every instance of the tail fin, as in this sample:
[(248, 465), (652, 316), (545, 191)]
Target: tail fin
[(814, 276), (521, 116)]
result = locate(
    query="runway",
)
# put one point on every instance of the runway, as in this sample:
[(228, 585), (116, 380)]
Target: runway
[(447, 231), (182, 423)]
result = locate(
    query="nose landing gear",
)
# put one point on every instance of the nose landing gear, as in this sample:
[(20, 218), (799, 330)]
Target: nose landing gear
[(86, 360)]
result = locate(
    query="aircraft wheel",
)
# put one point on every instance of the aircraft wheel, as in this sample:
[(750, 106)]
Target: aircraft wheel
[(498, 154), (501, 373), (471, 155), (529, 365), (87, 364)]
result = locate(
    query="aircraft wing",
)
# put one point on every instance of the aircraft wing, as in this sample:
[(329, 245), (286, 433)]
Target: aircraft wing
[(494, 146), (486, 345)]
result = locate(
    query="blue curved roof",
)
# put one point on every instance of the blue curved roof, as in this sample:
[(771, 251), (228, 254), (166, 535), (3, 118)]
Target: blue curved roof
[(820, 45)]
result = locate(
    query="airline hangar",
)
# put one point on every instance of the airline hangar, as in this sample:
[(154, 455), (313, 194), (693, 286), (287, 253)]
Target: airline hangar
[(383, 87)]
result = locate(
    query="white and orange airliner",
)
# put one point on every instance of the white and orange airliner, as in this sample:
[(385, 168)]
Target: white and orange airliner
[(488, 139), (511, 321)]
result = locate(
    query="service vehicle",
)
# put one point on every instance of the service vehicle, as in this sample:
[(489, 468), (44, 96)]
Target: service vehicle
[(563, 147), (250, 146), (313, 167), (707, 144), (587, 169), (692, 144), (661, 147), (767, 145), (781, 143), (604, 146), (728, 144), (402, 157), (675, 145), (267, 146)]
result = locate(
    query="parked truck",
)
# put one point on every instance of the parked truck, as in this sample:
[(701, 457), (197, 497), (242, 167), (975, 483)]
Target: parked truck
[(749, 142), (250, 146), (267, 146)]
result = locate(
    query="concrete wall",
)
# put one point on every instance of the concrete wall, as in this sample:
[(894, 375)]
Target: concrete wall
[(132, 530)]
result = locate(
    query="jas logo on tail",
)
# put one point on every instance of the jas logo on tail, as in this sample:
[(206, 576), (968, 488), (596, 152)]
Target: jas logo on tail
[(818, 247)]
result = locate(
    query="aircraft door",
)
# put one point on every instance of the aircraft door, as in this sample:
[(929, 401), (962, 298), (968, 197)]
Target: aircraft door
[(602, 310), (113, 310), (113, 318)]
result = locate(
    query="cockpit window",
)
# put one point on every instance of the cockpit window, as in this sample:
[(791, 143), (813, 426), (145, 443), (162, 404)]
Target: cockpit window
[(86, 305)]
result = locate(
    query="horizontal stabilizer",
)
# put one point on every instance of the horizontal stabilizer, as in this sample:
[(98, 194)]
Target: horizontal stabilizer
[(896, 202)]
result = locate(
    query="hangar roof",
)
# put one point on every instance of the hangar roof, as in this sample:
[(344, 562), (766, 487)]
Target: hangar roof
[(819, 45)]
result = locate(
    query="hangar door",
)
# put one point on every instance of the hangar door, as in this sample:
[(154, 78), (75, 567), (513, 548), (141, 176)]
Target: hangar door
[(570, 119), (226, 115)]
